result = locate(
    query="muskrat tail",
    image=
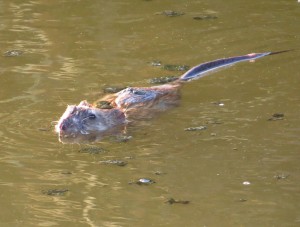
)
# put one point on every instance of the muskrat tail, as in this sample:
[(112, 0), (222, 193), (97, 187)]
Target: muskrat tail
[(204, 68)]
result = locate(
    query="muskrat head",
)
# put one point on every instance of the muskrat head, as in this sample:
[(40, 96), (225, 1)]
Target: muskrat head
[(85, 119)]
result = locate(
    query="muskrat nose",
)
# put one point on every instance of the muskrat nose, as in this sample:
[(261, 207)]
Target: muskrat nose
[(63, 126)]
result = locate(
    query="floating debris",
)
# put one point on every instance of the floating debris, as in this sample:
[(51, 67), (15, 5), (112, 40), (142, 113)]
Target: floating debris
[(12, 53), (276, 117), (114, 162), (156, 63), (205, 17), (172, 201), (176, 67), (246, 183), (199, 128), (163, 79), (281, 176), (214, 122), (219, 103), (112, 90), (122, 138), (143, 181), (129, 157), (170, 67), (170, 13), (159, 173), (103, 105), (242, 200), (66, 172), (92, 150), (55, 192)]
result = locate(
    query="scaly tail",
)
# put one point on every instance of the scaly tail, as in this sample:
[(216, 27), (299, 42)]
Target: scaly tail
[(202, 69)]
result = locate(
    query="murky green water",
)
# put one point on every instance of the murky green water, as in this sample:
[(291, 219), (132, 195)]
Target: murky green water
[(72, 49)]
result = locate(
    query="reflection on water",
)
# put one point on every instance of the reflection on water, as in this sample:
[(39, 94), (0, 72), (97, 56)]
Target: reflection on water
[(72, 48)]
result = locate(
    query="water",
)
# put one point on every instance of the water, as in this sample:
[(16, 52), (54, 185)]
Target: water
[(72, 49)]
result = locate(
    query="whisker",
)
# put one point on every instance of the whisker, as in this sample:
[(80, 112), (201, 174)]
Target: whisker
[(53, 123)]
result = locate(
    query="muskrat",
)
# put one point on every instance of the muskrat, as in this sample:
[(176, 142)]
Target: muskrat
[(86, 122)]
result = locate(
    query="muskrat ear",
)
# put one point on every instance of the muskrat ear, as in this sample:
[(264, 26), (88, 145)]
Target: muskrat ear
[(84, 103), (71, 109)]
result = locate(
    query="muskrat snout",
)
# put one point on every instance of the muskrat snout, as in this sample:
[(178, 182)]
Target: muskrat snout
[(63, 126)]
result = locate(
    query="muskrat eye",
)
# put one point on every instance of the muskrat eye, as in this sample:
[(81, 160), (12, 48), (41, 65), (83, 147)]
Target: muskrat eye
[(92, 116)]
